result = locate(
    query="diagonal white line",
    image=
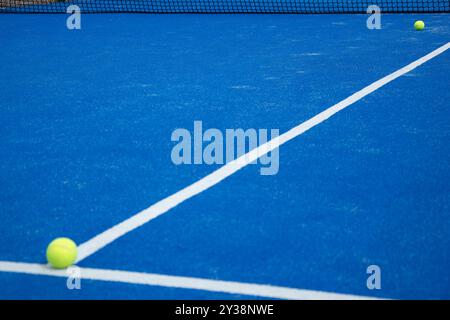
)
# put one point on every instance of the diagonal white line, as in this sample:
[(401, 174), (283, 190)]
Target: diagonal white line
[(231, 287), (101, 240)]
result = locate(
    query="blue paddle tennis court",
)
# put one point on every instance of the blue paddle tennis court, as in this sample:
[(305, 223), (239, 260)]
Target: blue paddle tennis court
[(360, 193)]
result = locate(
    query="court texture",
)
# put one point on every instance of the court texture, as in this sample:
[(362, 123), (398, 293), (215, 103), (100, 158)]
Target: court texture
[(361, 196)]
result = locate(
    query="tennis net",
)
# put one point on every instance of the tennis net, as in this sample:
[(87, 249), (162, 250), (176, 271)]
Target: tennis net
[(224, 6)]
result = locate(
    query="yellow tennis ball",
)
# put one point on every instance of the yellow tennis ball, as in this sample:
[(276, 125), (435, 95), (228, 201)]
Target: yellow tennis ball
[(61, 253), (419, 25)]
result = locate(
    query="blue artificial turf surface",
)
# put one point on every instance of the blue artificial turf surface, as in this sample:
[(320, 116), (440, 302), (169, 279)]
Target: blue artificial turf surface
[(85, 143)]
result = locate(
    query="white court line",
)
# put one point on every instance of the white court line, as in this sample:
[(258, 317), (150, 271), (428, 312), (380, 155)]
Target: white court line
[(230, 287), (101, 240)]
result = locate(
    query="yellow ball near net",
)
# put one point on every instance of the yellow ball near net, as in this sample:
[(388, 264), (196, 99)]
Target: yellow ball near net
[(419, 25), (61, 253)]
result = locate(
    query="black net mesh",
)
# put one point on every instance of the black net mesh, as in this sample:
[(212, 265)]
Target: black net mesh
[(224, 6)]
